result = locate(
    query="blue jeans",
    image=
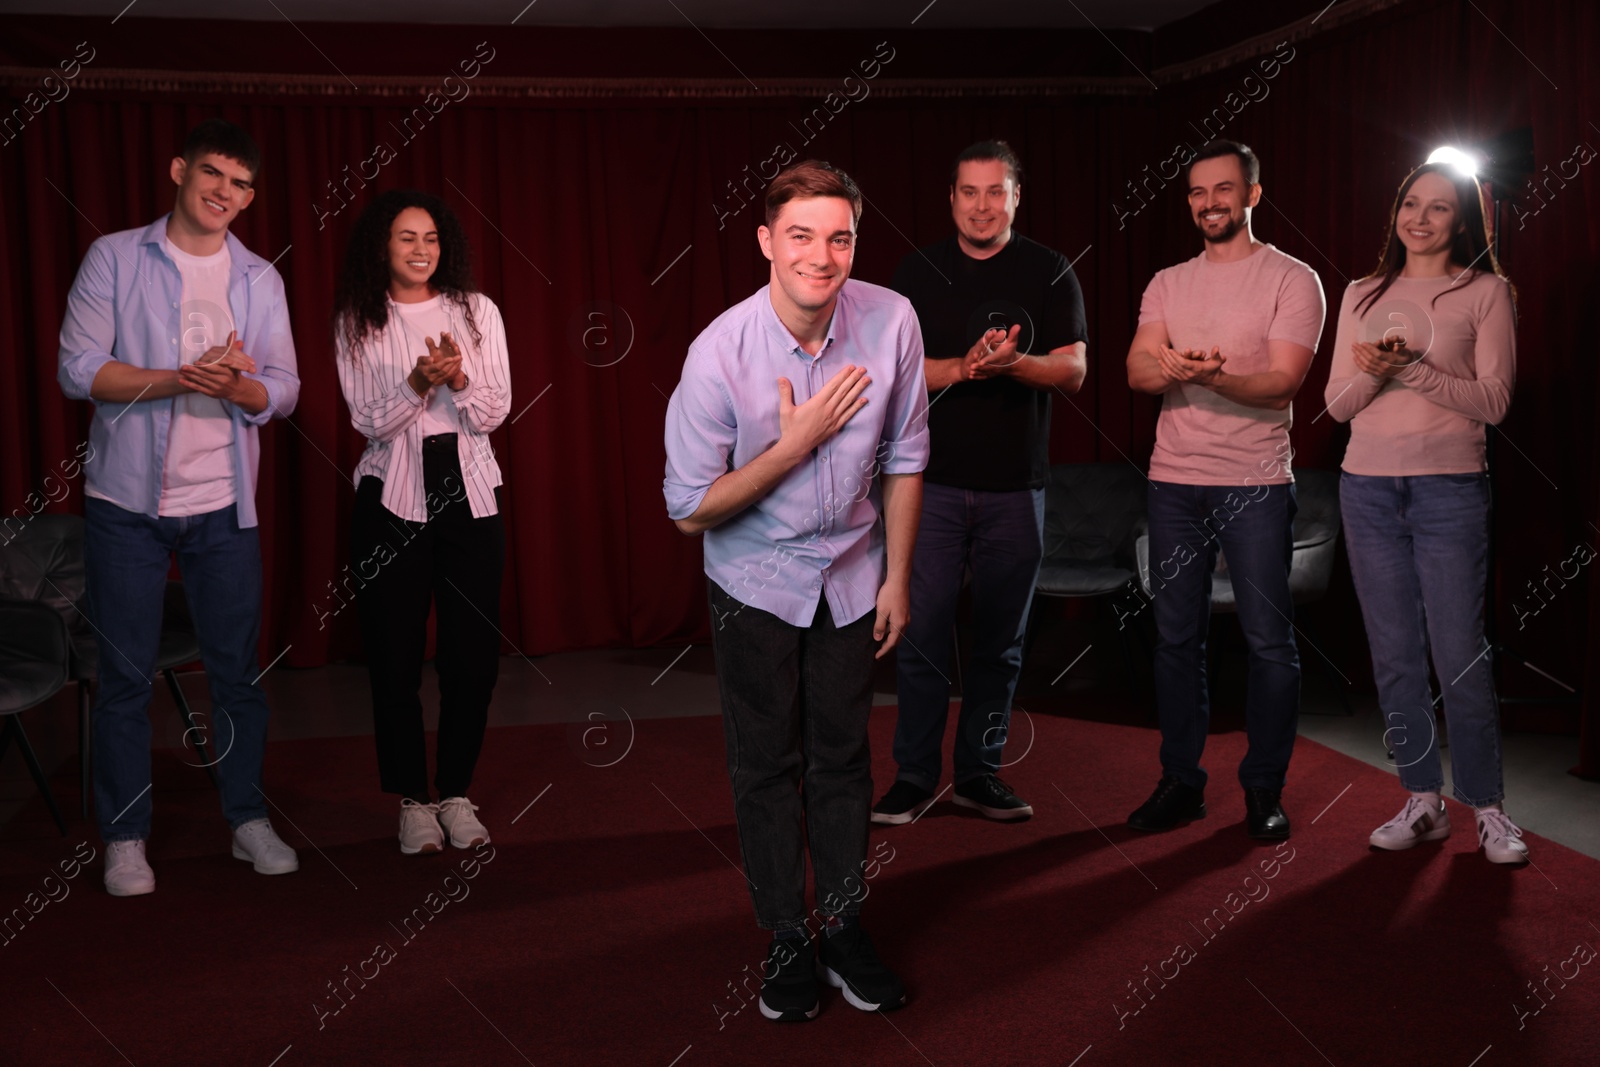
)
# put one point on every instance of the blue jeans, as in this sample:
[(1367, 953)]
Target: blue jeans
[(1001, 536), (1419, 553), (1254, 528), (126, 558)]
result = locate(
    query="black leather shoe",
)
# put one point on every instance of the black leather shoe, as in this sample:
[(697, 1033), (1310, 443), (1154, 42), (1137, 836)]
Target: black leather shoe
[(1263, 815), (1172, 804)]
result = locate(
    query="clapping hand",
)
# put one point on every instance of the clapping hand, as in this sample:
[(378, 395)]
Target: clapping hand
[(441, 366), (1386, 358), (994, 353), (218, 372), (1193, 365)]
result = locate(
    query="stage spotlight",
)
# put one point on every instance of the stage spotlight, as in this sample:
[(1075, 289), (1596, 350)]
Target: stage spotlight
[(1465, 162)]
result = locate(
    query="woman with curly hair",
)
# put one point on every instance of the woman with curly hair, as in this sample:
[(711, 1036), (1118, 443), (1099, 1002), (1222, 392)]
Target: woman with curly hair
[(422, 363), (1425, 358)]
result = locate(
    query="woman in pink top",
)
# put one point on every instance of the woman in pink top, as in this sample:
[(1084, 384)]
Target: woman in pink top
[(1424, 358)]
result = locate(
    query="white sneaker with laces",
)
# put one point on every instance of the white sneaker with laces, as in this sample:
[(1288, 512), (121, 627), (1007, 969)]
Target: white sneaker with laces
[(128, 873), (1418, 821), (1500, 838), (419, 828), (259, 843), (455, 815)]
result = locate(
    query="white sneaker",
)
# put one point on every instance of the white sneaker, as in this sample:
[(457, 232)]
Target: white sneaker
[(465, 831), (128, 874), (257, 842), (1500, 838), (1418, 821), (419, 828)]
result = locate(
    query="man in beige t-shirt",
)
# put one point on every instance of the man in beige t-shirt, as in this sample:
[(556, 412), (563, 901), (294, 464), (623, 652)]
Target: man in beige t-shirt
[(1226, 339)]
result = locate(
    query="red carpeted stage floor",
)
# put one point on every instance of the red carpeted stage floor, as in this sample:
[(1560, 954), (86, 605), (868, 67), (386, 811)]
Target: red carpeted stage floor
[(610, 925)]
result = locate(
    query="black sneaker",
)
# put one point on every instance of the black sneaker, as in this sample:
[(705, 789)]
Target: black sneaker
[(1263, 815), (1171, 804), (789, 981), (899, 804), (990, 796), (850, 963)]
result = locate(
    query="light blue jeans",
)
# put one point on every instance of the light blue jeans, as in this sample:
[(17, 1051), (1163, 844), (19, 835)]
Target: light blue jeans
[(1419, 552)]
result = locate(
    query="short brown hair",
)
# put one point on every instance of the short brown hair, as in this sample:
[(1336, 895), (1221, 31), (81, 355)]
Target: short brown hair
[(813, 178)]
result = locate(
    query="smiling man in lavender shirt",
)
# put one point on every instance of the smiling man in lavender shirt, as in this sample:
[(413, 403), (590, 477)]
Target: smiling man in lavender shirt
[(1225, 339), (180, 335), (796, 441)]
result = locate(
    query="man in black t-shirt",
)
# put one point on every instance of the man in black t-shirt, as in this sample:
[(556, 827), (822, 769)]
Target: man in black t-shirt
[(1002, 327)]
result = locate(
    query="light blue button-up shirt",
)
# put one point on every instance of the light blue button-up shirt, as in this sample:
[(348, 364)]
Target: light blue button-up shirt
[(124, 306), (818, 531)]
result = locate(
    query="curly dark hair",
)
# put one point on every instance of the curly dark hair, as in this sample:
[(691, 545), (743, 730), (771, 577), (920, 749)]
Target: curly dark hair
[(361, 300)]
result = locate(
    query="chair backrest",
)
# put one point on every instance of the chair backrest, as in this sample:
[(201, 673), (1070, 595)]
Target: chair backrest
[(44, 561), (1092, 510)]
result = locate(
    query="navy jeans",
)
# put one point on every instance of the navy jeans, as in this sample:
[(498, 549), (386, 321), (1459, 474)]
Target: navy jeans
[(1419, 553), (1254, 528), (795, 703), (126, 558), (1001, 536)]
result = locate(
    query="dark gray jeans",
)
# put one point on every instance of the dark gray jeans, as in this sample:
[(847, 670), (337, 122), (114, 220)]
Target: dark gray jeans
[(795, 703)]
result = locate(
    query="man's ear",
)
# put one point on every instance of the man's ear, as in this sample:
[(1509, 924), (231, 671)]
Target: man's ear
[(1255, 195), (764, 239), (180, 167)]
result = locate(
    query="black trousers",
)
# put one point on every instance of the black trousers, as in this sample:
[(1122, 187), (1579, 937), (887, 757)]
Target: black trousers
[(453, 562), (795, 704)]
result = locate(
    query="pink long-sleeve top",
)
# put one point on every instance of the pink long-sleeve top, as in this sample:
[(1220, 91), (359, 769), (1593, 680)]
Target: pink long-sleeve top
[(1429, 418)]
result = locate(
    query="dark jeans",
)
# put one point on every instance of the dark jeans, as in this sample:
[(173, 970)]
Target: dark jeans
[(1001, 536), (126, 559), (795, 703), (1419, 553), (454, 562), (1254, 527)]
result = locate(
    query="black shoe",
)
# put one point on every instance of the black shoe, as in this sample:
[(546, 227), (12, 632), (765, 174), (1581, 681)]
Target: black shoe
[(789, 981), (850, 963), (899, 804), (990, 796), (1263, 815), (1171, 804)]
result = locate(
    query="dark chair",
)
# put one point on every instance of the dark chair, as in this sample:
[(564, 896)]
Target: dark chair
[(44, 562), (34, 655), (1316, 542), (1093, 516)]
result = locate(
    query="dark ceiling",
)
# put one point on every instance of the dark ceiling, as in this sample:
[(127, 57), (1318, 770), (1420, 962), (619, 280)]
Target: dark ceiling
[(721, 14)]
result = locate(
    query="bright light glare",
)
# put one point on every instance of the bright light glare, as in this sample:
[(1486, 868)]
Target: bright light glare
[(1464, 162)]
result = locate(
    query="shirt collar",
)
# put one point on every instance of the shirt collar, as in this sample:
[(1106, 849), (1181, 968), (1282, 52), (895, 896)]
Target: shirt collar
[(156, 233), (780, 333)]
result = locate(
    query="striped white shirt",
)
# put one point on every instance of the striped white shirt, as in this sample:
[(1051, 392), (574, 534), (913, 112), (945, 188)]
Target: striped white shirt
[(389, 413)]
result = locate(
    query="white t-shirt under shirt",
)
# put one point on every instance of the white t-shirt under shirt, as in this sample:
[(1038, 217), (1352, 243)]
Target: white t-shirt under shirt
[(417, 323), (197, 475), (1203, 438)]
